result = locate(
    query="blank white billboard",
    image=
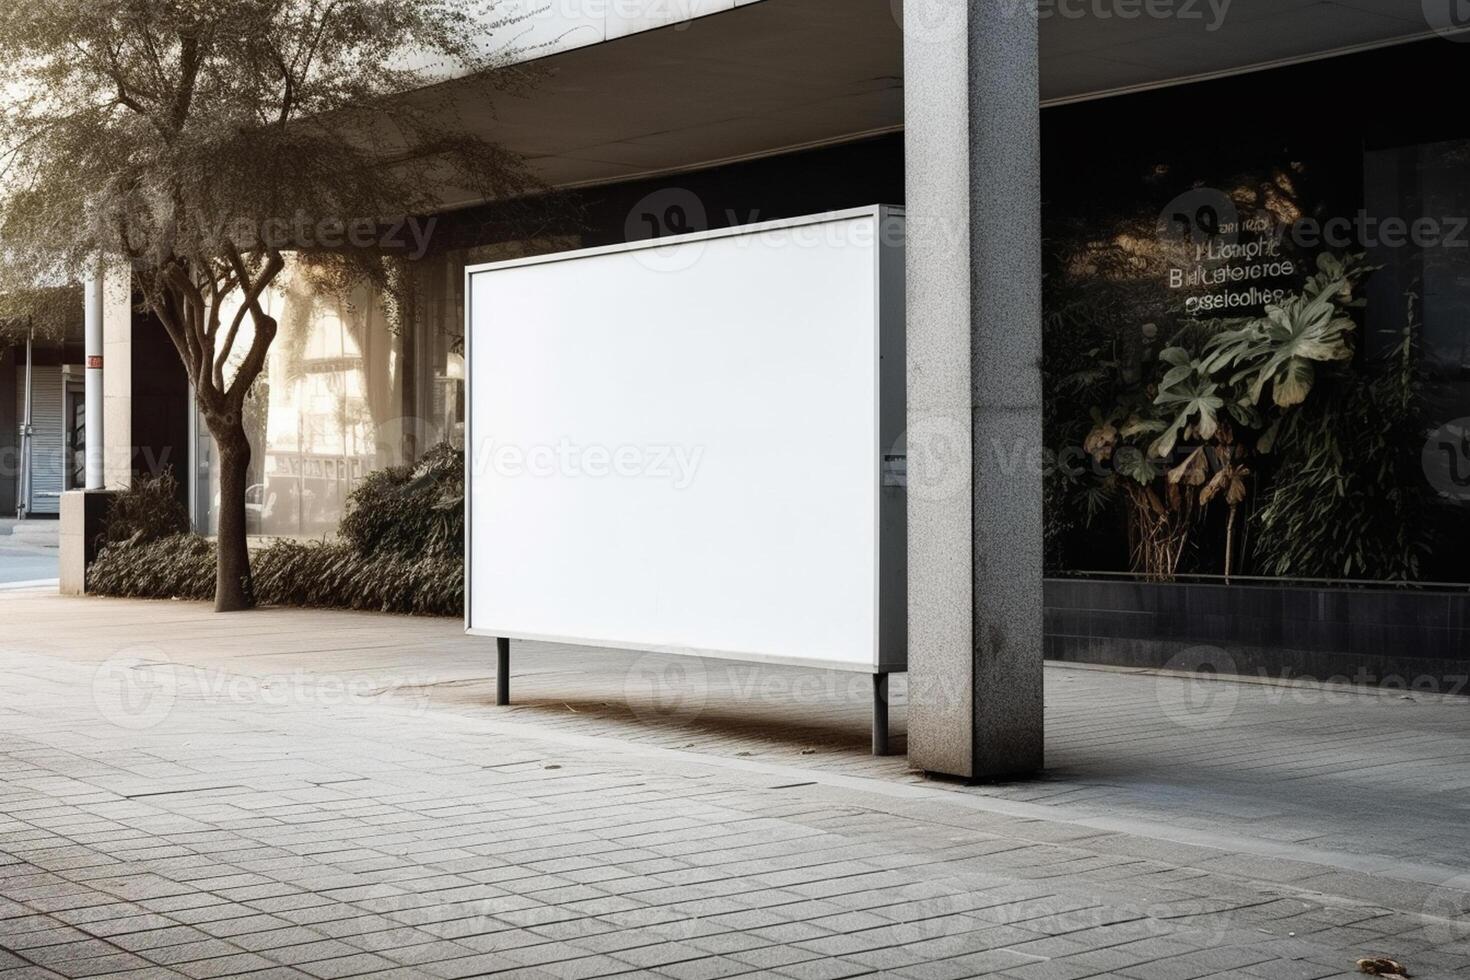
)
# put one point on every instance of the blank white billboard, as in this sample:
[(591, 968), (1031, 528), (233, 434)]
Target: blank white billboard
[(678, 444)]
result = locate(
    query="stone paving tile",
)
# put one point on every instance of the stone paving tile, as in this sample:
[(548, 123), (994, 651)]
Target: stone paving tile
[(330, 838)]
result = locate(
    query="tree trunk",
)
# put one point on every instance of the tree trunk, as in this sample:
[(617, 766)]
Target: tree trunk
[(232, 588)]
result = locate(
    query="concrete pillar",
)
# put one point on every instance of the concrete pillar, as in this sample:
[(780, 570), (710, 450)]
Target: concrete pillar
[(107, 319), (972, 121), (82, 515)]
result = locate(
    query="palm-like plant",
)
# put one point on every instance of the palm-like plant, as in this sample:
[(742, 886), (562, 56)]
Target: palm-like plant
[(1282, 348), (1188, 390), (1209, 403)]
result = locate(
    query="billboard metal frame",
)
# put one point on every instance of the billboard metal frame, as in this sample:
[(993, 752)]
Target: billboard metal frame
[(889, 470)]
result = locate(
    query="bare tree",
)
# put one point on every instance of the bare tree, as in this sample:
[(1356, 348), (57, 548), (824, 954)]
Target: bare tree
[(204, 141)]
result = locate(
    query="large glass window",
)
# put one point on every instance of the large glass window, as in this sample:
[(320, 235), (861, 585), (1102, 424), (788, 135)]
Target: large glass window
[(1426, 186), (1257, 328), (354, 382)]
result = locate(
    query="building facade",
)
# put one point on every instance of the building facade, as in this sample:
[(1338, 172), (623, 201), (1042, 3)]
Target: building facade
[(1086, 183), (40, 381)]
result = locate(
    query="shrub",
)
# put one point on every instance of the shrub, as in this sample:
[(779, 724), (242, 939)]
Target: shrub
[(410, 511), (402, 549), (179, 566), (149, 510), (1350, 499), (293, 573), (288, 573)]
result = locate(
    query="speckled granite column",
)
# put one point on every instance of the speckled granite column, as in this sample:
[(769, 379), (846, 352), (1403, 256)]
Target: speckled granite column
[(974, 389)]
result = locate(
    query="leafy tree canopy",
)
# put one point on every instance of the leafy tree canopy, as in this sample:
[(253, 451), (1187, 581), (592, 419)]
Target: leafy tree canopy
[(199, 141)]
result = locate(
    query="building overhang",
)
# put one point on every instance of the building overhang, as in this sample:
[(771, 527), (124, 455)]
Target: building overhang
[(759, 78)]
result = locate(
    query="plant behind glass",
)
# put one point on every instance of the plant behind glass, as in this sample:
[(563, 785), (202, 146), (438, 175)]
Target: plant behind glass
[(1185, 423)]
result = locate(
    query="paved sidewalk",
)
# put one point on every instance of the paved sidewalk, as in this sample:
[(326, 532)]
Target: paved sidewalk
[(331, 794)]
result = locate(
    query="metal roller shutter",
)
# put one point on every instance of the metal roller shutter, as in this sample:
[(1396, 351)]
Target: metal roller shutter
[(48, 442)]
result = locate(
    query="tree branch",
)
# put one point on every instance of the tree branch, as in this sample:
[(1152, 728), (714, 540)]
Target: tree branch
[(189, 62), (177, 279), (265, 325)]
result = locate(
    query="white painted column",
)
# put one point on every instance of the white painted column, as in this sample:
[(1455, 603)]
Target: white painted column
[(117, 382), (92, 346)]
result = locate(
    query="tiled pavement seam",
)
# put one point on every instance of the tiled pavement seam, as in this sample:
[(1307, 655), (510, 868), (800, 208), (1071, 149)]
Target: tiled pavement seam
[(335, 829), (1286, 763)]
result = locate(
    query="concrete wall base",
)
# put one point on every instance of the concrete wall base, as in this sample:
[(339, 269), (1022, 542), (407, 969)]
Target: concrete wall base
[(82, 514)]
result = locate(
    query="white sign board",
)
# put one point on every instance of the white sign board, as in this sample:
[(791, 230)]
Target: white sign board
[(678, 445)]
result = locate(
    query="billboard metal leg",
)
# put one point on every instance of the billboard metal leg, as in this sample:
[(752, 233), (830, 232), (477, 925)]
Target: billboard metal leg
[(502, 671), (880, 714)]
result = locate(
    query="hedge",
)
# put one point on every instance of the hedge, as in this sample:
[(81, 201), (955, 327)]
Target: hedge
[(402, 548), (288, 573)]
